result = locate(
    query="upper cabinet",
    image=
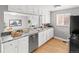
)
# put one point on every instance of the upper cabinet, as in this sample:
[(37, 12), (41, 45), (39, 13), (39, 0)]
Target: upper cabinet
[(30, 9), (21, 8), (16, 8), (45, 16)]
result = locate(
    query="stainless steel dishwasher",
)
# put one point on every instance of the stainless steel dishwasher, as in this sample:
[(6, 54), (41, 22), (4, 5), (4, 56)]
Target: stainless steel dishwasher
[(33, 42)]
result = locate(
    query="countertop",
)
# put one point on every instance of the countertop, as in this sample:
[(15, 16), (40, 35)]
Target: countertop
[(31, 32)]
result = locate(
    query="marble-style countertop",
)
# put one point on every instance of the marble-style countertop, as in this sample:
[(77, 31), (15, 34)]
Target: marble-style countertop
[(31, 32)]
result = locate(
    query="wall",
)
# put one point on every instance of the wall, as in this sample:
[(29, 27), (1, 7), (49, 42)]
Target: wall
[(63, 32), (43, 10), (23, 17), (15, 16), (2, 9)]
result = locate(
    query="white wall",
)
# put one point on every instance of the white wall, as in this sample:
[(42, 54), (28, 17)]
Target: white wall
[(9, 16), (19, 16), (43, 10), (63, 32)]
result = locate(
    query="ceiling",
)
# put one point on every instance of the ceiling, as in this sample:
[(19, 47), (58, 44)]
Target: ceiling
[(47, 7), (54, 7)]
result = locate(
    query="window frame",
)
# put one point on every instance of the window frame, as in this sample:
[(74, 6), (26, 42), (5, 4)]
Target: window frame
[(62, 17)]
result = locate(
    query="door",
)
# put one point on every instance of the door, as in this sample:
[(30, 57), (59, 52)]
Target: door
[(10, 47), (44, 37), (50, 33), (23, 45), (40, 38)]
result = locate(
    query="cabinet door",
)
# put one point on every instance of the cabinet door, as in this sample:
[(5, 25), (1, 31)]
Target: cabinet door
[(45, 16), (50, 33), (10, 47), (44, 39), (16, 8), (36, 11), (35, 21), (23, 45), (47, 33), (40, 38)]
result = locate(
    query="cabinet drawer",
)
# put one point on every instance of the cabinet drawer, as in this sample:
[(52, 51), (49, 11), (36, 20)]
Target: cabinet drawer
[(23, 45), (10, 47)]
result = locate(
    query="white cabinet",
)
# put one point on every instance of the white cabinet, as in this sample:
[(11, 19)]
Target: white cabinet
[(35, 21), (41, 38), (16, 8), (44, 40), (29, 10), (10, 47), (50, 33), (45, 16), (32, 10), (21, 8), (36, 11), (23, 45), (16, 46), (45, 35)]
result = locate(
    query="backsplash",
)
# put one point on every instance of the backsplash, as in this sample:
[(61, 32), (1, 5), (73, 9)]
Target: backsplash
[(15, 17)]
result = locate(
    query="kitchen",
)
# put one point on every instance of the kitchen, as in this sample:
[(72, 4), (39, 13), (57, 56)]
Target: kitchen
[(22, 34), (23, 38), (25, 28)]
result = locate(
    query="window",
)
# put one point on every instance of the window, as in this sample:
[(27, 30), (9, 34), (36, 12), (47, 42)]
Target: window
[(62, 19), (15, 22)]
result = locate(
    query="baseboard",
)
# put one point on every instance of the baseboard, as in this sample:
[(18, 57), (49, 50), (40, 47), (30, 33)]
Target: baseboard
[(61, 39)]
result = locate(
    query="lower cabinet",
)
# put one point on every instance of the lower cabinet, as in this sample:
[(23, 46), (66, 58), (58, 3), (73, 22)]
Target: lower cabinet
[(23, 45), (44, 36), (16, 46), (10, 47), (50, 33), (41, 38), (29, 43)]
